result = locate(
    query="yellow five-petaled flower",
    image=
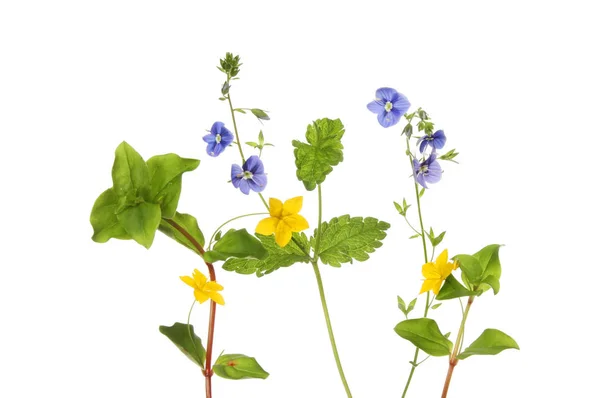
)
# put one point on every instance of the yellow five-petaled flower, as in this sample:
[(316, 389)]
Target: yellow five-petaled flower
[(436, 273), (203, 288), (283, 221)]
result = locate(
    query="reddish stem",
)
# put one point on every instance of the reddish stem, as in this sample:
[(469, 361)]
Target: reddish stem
[(208, 372), (453, 363)]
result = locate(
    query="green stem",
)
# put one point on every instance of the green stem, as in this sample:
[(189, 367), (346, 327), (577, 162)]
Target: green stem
[(264, 201), (315, 265), (227, 222), (457, 346), (235, 129), (330, 329), (416, 356)]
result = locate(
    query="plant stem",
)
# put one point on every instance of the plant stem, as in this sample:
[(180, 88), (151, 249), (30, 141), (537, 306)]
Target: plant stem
[(315, 265), (330, 329), (416, 356), (237, 137), (457, 346), (208, 372)]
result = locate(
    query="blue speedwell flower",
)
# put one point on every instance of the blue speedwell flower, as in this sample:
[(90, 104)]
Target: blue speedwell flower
[(249, 177), (436, 141), (427, 171), (389, 105), (218, 139)]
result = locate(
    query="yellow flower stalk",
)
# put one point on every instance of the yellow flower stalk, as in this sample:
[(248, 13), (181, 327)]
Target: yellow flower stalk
[(283, 221), (436, 273), (203, 288)]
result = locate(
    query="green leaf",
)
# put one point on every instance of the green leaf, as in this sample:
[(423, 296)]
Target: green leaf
[(260, 114), (402, 306), (344, 239), (471, 268), (189, 224), (425, 334), (238, 366), (239, 110), (278, 256), (435, 306), (261, 138), (236, 243), (130, 173), (411, 305), (421, 192), (408, 130), (141, 222), (490, 262), (491, 342), (314, 160), (104, 218), (192, 347), (400, 209), (493, 282), (414, 236), (252, 144), (438, 239), (452, 288), (165, 180)]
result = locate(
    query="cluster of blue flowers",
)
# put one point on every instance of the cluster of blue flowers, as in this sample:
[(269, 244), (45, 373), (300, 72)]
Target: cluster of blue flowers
[(390, 106), (251, 176)]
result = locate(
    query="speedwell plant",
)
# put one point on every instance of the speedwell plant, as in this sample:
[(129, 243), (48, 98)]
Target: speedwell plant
[(144, 199)]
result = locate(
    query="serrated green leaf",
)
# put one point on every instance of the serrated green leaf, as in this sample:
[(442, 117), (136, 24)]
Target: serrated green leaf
[(236, 243), (130, 173), (344, 239), (141, 222), (104, 218), (165, 180), (425, 334), (278, 256), (315, 160), (192, 347), (238, 366), (452, 288), (189, 224), (490, 342)]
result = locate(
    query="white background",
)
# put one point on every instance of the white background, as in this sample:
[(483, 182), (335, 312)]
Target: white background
[(514, 84)]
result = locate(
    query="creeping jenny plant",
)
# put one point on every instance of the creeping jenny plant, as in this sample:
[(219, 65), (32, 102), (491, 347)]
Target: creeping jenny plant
[(144, 198)]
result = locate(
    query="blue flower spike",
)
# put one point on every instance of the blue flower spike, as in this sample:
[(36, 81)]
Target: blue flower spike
[(389, 105)]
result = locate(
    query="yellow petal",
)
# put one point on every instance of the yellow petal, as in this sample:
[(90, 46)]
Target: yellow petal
[(428, 284), (296, 222), (188, 280), (292, 206), (436, 286), (429, 271), (267, 226), (447, 270), (283, 234), (212, 286), (442, 258), (200, 295), (199, 278), (216, 297), (275, 207)]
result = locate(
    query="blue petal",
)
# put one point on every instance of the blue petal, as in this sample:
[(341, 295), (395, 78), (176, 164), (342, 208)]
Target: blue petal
[(244, 186), (388, 119), (258, 182), (421, 180), (226, 137), (209, 138), (235, 171), (386, 94), (216, 127), (439, 139), (416, 166), (434, 173), (422, 144), (210, 149), (254, 165), (401, 103), (376, 106), (218, 148)]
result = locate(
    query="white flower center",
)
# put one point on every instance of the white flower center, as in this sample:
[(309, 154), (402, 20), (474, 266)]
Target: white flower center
[(247, 175), (388, 106), (218, 138)]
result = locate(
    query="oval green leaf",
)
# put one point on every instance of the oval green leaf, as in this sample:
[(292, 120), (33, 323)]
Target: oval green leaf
[(141, 222), (452, 288), (130, 173), (184, 338), (104, 219), (491, 342), (236, 243), (238, 366), (425, 334)]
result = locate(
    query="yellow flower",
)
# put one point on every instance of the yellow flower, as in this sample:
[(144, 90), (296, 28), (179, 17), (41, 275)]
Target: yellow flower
[(436, 273), (283, 221), (203, 288)]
